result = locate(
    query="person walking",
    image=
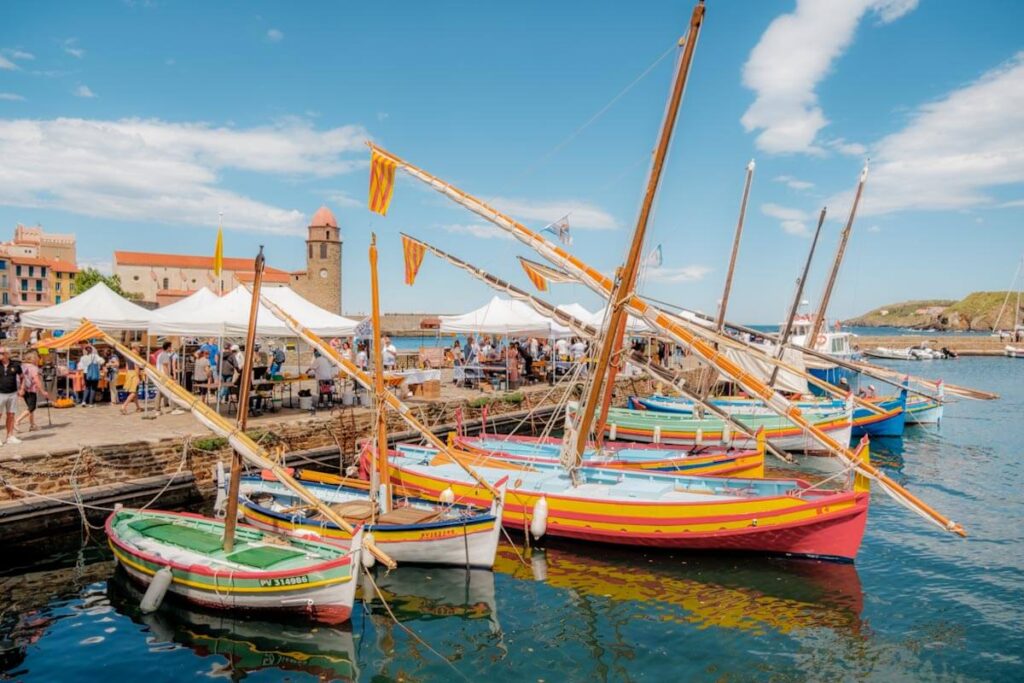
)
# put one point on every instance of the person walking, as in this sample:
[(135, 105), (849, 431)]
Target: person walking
[(92, 368), (111, 369), (165, 364), (10, 380), (31, 387)]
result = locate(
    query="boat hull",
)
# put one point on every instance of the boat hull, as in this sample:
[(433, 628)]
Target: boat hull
[(471, 541), (677, 430), (525, 450), (924, 411), (323, 592), (829, 525)]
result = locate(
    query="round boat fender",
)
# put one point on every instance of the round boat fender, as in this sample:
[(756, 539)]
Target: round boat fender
[(821, 340), (539, 521), (726, 433), (366, 556), (448, 496), (613, 431), (156, 591), (657, 433)]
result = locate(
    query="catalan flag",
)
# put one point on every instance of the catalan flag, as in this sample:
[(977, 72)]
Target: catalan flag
[(414, 252), (218, 253), (382, 182)]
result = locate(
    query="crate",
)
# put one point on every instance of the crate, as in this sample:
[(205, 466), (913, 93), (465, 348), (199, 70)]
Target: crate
[(431, 389)]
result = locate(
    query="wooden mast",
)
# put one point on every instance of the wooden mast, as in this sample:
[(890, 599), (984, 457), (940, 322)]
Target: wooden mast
[(245, 383), (627, 274), (380, 481), (819, 318), (801, 281), (720, 322)]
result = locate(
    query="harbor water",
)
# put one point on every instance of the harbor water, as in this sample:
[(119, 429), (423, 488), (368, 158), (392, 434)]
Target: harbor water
[(918, 604)]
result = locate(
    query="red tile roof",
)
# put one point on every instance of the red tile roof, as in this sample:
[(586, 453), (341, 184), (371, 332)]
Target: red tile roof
[(153, 260), (269, 275), (29, 261), (63, 266)]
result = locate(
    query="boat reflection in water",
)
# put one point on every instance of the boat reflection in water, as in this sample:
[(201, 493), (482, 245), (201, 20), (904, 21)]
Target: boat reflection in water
[(732, 593), (247, 645)]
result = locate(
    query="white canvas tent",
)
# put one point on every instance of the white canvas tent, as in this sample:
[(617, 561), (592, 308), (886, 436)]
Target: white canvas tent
[(204, 314), (504, 317), (105, 308)]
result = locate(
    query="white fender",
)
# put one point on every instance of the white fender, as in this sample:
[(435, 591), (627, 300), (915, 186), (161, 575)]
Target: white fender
[(700, 436), (657, 433), (220, 504), (156, 591), (448, 496), (539, 522), (726, 432), (613, 431), (366, 556)]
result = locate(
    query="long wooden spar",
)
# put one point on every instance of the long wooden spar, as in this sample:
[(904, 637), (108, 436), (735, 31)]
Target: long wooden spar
[(582, 328), (239, 440), (661, 321), (365, 381)]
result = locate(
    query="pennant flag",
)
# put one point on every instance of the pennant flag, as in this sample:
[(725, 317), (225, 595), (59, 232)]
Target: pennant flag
[(382, 182), (536, 277), (547, 272), (364, 328), (560, 229), (654, 259), (414, 252), (218, 254)]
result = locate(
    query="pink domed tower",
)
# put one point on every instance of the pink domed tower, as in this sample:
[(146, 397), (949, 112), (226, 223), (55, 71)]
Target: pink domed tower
[(321, 283)]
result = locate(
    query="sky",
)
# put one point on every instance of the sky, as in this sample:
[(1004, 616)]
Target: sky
[(135, 124)]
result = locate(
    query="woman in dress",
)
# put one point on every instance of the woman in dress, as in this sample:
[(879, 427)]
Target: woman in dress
[(31, 387)]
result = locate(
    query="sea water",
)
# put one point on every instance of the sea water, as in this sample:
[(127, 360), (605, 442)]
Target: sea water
[(919, 604)]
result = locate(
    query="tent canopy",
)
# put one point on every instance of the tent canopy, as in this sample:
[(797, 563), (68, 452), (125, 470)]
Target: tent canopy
[(100, 304), (204, 314), (503, 316)]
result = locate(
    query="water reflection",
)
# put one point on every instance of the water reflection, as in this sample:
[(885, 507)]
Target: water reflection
[(245, 645), (735, 593)]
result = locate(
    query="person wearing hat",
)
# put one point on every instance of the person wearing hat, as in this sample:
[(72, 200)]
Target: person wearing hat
[(10, 385)]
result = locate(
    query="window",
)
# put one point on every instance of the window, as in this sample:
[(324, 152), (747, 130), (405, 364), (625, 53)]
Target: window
[(135, 278), (167, 283), (18, 271), (57, 287), (39, 297), (3, 265), (310, 250), (60, 275), (39, 285), (31, 271), (42, 272), (323, 250), (58, 298), (328, 234), (6, 299), (24, 285)]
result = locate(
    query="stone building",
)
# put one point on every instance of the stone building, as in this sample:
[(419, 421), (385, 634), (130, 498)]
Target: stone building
[(165, 278), (320, 282), (37, 268)]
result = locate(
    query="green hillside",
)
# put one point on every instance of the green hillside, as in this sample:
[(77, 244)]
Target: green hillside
[(976, 311)]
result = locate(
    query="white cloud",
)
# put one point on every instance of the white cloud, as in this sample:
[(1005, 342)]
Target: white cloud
[(953, 150), (853, 149), (793, 221), (84, 91), (793, 56), (1011, 204), (275, 36), (676, 275), (152, 170), (478, 230), (875, 228), (11, 97), (7, 64), (794, 183), (20, 54), (582, 215), (339, 198), (71, 47)]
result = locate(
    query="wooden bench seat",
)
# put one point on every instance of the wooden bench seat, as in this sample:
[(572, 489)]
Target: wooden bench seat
[(408, 515)]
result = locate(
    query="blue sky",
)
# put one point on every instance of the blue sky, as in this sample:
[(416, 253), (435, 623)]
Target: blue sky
[(132, 124)]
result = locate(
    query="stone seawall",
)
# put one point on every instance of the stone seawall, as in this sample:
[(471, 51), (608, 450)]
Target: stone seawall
[(47, 492)]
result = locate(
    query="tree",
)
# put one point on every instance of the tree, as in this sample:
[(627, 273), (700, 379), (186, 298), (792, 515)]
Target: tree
[(87, 277)]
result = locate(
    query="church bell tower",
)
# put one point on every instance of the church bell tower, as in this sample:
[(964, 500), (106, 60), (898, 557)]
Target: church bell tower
[(323, 261)]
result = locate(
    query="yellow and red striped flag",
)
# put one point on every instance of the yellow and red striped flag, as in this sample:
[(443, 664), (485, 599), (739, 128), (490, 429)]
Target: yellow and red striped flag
[(536, 277), (382, 182), (414, 252)]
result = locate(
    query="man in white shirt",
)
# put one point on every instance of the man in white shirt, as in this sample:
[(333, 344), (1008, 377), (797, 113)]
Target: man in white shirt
[(389, 354), (578, 349), (322, 369), (561, 348)]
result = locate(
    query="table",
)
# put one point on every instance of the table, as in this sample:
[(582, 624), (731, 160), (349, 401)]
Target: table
[(408, 380)]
